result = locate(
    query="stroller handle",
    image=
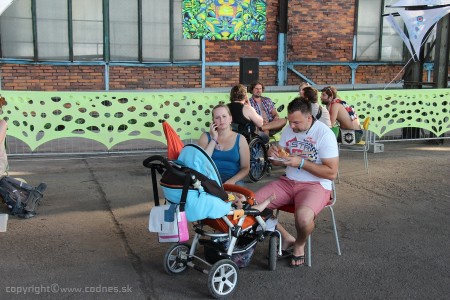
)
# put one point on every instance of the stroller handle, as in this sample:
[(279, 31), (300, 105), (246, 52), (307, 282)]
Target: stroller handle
[(149, 160)]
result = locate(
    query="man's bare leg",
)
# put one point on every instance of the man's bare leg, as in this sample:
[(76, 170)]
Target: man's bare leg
[(304, 224)]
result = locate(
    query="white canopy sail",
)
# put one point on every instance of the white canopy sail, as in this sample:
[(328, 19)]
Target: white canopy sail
[(4, 5), (406, 3)]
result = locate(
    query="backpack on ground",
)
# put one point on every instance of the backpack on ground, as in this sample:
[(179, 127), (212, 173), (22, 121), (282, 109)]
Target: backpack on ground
[(21, 198)]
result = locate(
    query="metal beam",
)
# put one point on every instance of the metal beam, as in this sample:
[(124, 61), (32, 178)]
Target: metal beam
[(440, 76)]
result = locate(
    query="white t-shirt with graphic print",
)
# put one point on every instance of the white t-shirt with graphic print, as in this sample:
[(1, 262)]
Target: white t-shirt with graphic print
[(314, 144)]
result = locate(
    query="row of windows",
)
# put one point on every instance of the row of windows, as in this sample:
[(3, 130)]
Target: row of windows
[(375, 38), (138, 30), (142, 31)]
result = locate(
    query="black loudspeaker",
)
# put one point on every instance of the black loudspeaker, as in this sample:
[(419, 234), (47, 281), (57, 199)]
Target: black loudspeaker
[(248, 70), (283, 16)]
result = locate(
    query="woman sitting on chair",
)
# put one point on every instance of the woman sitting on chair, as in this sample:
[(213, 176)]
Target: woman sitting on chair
[(245, 117), (228, 149)]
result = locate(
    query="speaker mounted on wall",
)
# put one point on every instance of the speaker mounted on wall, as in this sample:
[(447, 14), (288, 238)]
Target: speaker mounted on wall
[(248, 70)]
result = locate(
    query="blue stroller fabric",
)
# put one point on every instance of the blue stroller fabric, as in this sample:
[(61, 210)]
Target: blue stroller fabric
[(199, 204)]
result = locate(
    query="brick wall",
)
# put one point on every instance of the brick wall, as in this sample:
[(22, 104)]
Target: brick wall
[(51, 78), (319, 31), (139, 78), (332, 75), (377, 74), (229, 76)]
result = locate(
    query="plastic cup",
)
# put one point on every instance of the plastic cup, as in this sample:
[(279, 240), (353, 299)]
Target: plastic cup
[(3, 222)]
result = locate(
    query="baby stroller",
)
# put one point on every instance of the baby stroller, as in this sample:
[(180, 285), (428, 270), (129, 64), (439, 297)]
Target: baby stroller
[(227, 238)]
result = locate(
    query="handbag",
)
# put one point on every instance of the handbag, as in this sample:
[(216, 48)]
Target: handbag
[(169, 222), (348, 136)]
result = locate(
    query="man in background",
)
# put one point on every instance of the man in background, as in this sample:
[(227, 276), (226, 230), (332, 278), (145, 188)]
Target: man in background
[(265, 107)]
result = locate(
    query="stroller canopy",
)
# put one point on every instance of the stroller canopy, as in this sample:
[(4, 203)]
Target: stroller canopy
[(199, 203), (194, 157)]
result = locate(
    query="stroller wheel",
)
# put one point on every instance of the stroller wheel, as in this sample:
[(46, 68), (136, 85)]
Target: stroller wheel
[(176, 258), (273, 252), (223, 278)]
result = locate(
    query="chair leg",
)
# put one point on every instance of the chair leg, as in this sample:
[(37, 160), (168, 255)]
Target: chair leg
[(367, 164), (308, 252), (308, 243), (335, 230)]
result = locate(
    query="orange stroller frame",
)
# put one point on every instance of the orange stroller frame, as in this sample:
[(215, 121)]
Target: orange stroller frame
[(228, 242)]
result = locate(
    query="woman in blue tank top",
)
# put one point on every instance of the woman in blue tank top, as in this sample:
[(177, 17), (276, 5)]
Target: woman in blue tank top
[(228, 149)]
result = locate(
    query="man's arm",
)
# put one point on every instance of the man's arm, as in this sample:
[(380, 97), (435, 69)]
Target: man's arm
[(334, 109), (272, 109), (328, 169), (274, 114)]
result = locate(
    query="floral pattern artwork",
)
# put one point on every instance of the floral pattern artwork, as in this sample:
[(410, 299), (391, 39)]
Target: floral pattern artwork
[(239, 20)]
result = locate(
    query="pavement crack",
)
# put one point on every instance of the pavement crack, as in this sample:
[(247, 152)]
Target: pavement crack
[(135, 260)]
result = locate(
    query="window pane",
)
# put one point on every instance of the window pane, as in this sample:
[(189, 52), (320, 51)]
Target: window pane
[(87, 29), (391, 43), (52, 29), (368, 30), (155, 30), (16, 30), (183, 49), (123, 18)]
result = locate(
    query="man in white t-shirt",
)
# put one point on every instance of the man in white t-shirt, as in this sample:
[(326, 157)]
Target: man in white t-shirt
[(311, 166)]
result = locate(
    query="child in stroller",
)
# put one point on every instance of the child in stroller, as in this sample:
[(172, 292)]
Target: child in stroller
[(240, 201), (228, 236)]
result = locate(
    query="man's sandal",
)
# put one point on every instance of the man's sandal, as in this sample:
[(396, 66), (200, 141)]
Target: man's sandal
[(296, 259)]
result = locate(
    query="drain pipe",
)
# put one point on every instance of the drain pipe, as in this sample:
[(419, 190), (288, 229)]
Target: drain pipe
[(282, 37)]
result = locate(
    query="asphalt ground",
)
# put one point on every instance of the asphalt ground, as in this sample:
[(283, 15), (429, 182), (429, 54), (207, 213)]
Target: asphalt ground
[(90, 238)]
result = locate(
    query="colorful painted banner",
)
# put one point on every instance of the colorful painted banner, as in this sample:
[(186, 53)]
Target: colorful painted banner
[(240, 20)]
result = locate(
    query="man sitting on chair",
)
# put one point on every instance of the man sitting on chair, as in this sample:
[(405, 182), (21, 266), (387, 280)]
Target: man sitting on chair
[(265, 107), (311, 165)]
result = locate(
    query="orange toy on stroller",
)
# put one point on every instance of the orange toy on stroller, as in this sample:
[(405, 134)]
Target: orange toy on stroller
[(228, 236)]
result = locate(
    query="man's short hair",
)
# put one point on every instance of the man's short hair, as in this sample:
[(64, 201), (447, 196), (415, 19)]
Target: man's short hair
[(300, 104)]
